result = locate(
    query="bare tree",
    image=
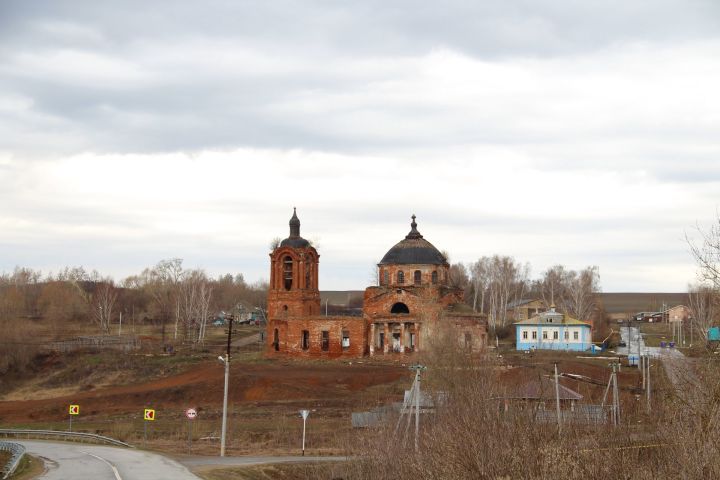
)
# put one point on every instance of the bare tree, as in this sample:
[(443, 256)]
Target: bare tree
[(167, 274), (552, 285), (707, 253), (103, 303), (195, 294), (704, 306), (458, 276), (204, 302), (573, 292), (479, 278), (580, 292), (507, 281)]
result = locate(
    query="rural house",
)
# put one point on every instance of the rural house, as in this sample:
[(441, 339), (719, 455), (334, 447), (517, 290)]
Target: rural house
[(552, 330), (524, 309)]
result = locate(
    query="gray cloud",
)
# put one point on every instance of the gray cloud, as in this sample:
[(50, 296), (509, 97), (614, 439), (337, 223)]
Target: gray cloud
[(462, 112), (167, 76)]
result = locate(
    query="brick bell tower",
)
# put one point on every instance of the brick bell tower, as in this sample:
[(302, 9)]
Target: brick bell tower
[(293, 277)]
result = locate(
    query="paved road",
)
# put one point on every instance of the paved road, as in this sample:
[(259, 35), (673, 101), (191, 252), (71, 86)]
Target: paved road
[(632, 338), (75, 461), (678, 367)]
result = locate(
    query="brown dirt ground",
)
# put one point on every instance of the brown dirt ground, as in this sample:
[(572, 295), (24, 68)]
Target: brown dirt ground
[(202, 385)]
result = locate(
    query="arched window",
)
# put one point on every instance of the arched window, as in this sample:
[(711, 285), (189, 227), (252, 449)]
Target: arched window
[(399, 307), (386, 277), (276, 340), (401, 277), (417, 277), (434, 278), (288, 272)]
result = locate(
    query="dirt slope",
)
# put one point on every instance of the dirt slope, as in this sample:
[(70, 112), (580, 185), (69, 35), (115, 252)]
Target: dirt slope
[(202, 385)]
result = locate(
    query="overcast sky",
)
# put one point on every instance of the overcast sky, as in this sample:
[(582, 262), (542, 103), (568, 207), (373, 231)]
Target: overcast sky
[(572, 132)]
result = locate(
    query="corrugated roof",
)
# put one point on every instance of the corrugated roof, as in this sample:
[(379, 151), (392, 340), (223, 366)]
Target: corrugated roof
[(543, 389)]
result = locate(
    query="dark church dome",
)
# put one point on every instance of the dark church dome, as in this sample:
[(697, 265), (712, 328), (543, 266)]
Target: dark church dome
[(295, 240), (414, 249)]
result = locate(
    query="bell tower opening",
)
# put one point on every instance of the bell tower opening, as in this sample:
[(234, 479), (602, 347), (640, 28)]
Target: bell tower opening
[(287, 272)]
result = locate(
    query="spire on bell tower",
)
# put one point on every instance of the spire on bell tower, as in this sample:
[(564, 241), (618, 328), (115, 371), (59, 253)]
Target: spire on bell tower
[(294, 225)]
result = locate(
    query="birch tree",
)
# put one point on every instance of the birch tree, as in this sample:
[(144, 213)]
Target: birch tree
[(507, 281), (479, 277), (572, 292), (103, 304)]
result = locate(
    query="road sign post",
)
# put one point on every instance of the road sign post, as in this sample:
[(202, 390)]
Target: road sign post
[(304, 414), (191, 415), (72, 411), (148, 416)]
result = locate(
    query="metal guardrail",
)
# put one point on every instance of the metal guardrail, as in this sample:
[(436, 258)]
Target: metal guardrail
[(64, 436), (17, 452)]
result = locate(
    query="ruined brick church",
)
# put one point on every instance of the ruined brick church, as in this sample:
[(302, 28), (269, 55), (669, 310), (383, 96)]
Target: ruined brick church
[(412, 301)]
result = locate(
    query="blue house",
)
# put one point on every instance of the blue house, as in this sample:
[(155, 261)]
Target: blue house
[(552, 330)]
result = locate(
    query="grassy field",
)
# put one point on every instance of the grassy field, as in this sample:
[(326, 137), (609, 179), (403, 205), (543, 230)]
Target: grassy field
[(632, 303)]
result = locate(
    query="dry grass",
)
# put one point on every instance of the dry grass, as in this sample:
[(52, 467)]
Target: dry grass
[(473, 438), (30, 467), (292, 471)]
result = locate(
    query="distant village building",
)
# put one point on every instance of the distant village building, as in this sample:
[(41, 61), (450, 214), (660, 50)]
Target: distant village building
[(524, 309), (412, 301), (678, 313), (553, 330)]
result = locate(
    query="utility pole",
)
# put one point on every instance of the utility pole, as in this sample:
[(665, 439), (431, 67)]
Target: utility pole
[(417, 411), (557, 399), (413, 401), (226, 361), (607, 389), (647, 391), (616, 399), (642, 368)]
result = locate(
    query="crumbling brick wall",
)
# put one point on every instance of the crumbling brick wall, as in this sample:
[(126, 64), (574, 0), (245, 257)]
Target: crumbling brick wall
[(318, 336)]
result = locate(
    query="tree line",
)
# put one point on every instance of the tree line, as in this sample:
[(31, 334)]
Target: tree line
[(167, 294), (493, 282)]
